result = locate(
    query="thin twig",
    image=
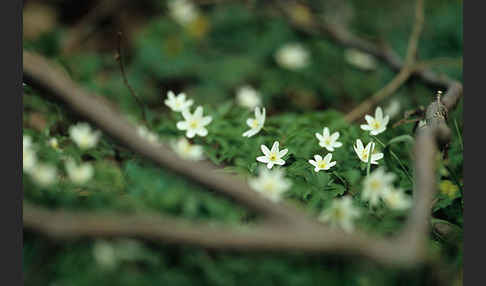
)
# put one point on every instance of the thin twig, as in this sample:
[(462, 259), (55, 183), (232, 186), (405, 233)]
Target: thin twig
[(119, 59), (404, 74)]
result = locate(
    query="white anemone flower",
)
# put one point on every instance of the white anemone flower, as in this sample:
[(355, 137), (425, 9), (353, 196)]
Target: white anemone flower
[(183, 11), (270, 183), (322, 164), (341, 213), (54, 143), (44, 174), (83, 136), (187, 150), (292, 56), (393, 109), (178, 103), (397, 200), (248, 97), (377, 124), (79, 174), (327, 140), (255, 124), (272, 157), (364, 152), (359, 59), (376, 185), (194, 123), (147, 134), (29, 156), (105, 254)]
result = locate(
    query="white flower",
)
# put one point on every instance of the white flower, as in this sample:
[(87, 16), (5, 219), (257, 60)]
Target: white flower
[(29, 160), (256, 124), (292, 56), (328, 141), (247, 96), (148, 135), (194, 123), (377, 124), (363, 152), (271, 184), (54, 143), (178, 103), (79, 174), (44, 174), (393, 109), (376, 185), (29, 156), (397, 200), (187, 150), (27, 142), (83, 136), (322, 164), (359, 59), (183, 11), (341, 213), (105, 254), (272, 157)]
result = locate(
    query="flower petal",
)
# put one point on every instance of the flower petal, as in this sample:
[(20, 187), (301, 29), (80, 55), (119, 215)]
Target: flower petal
[(265, 150), (275, 147), (262, 159), (283, 152)]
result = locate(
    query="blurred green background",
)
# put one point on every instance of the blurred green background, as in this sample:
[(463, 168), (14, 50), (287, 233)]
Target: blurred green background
[(226, 45)]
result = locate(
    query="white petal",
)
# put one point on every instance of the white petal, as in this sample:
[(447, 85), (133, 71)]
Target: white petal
[(275, 147), (198, 112), (337, 144), (190, 133), (202, 132), (378, 113), (318, 158), (262, 159), (359, 145), (319, 137), (270, 165), (369, 119), (283, 152), (265, 150), (280, 162), (328, 158), (331, 164), (313, 163), (335, 136), (206, 120), (325, 132), (186, 114), (365, 127), (182, 125)]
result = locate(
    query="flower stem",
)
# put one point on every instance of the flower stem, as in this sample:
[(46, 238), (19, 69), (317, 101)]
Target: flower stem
[(396, 158)]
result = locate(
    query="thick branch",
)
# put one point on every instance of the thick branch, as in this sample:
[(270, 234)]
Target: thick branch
[(61, 224), (39, 73)]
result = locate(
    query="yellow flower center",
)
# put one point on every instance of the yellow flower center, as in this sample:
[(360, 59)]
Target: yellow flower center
[(193, 124), (375, 125), (254, 124), (365, 155), (272, 157), (375, 184), (327, 141), (269, 186), (322, 165)]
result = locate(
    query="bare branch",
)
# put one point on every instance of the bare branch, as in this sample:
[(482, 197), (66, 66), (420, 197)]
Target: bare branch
[(404, 74), (119, 59)]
